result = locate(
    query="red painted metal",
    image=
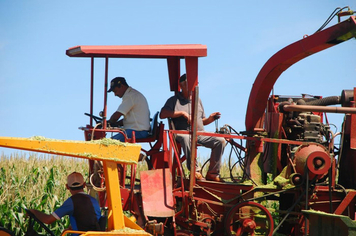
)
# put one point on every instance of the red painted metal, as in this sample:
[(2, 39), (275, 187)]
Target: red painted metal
[(156, 185), (248, 226), (353, 126), (105, 91), (139, 51), (345, 203), (173, 53), (91, 89), (286, 57), (313, 156), (242, 219), (174, 72), (191, 64), (347, 160), (319, 163), (193, 135), (204, 209)]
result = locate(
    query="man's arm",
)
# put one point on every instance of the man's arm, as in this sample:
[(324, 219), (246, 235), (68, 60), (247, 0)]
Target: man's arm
[(168, 110), (43, 217), (114, 117), (213, 116), (173, 114)]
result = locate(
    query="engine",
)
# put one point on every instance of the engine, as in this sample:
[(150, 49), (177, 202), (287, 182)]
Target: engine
[(307, 127)]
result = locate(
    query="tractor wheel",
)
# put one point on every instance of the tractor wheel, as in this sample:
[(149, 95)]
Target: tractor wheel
[(6, 232), (248, 218)]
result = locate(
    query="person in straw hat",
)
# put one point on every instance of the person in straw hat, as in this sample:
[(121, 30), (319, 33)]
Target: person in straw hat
[(83, 210)]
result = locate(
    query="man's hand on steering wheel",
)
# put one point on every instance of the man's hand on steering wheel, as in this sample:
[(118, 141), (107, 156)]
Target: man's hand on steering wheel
[(113, 124)]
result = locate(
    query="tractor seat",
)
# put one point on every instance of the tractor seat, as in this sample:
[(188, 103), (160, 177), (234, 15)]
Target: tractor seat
[(152, 133)]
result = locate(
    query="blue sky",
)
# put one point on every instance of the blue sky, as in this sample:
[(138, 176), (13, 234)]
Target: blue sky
[(44, 92)]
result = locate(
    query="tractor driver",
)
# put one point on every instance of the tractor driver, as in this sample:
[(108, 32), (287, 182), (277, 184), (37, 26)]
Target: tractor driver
[(133, 108), (178, 108), (83, 210)]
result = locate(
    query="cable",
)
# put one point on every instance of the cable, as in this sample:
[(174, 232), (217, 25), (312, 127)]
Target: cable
[(92, 132), (237, 152), (332, 15), (94, 187)]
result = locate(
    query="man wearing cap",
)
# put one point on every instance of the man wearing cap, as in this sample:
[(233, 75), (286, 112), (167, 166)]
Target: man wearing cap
[(178, 107), (83, 210), (133, 108)]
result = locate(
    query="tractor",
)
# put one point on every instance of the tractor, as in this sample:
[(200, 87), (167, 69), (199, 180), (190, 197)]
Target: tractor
[(288, 139)]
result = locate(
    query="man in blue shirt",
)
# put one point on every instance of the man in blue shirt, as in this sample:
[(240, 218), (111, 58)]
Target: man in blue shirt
[(83, 210)]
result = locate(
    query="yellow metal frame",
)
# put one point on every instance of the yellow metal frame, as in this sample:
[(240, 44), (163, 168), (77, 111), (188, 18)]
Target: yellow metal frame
[(105, 149), (109, 151), (130, 229)]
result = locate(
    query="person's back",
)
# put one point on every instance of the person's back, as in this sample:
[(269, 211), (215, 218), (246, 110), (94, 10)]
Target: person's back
[(135, 110), (85, 212)]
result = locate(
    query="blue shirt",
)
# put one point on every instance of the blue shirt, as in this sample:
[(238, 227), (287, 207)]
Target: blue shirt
[(67, 208)]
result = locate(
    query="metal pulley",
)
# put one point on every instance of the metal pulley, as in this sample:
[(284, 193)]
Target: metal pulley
[(313, 158)]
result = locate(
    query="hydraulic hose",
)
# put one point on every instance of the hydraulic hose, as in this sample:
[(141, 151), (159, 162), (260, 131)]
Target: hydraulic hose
[(333, 100)]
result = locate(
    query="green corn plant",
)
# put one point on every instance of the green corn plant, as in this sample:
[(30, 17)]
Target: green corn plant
[(34, 181)]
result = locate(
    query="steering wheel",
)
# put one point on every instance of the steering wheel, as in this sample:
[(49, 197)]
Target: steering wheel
[(30, 231), (95, 118)]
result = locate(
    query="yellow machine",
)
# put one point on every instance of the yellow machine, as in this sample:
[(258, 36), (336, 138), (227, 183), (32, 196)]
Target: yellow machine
[(111, 153)]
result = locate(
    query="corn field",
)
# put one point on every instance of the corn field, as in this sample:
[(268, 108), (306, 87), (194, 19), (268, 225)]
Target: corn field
[(34, 181)]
